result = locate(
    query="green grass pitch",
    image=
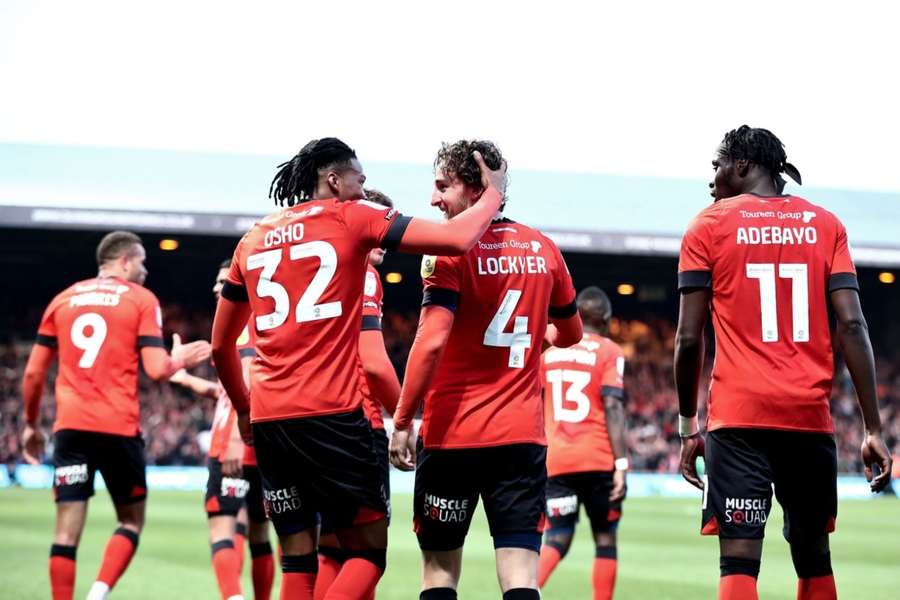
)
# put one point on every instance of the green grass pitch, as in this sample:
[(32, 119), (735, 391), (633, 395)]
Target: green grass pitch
[(661, 555)]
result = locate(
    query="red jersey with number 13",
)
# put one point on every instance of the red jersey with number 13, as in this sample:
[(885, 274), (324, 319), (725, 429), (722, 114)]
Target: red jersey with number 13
[(487, 390), (771, 263), (303, 270), (575, 382)]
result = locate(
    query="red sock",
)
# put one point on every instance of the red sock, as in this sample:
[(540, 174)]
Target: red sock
[(225, 564), (816, 588), (62, 572), (357, 580), (604, 578), (262, 570), (118, 553), (737, 587), (330, 562), (240, 539), (550, 557), (297, 586)]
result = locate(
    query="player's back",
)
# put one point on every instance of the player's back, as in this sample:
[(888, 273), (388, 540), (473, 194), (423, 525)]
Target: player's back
[(772, 263), (303, 270), (575, 381), (486, 390), (98, 326)]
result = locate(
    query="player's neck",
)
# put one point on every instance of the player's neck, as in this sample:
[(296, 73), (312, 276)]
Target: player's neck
[(764, 186), (106, 273), (604, 331)]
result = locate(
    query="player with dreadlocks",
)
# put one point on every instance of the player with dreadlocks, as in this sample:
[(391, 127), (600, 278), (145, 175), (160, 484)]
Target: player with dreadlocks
[(301, 273), (766, 266)]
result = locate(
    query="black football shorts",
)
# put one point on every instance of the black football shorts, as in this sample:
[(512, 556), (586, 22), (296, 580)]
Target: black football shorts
[(256, 512), (224, 495), (510, 479), (323, 466), (384, 464), (567, 493), (78, 455), (743, 466)]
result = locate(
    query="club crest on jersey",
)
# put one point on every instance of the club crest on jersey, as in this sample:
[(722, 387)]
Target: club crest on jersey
[(808, 216), (428, 265), (535, 247)]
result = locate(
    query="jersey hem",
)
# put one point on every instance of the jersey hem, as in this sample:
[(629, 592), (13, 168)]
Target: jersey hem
[(609, 471), (343, 410), (773, 427), (135, 433), (537, 442)]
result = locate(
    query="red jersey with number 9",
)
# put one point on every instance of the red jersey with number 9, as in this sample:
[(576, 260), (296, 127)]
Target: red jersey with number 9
[(303, 270), (98, 326), (575, 381), (487, 390), (771, 263)]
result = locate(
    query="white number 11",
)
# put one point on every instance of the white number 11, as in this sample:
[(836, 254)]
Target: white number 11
[(798, 274)]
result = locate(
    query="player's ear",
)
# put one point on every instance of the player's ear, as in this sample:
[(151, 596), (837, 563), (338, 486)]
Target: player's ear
[(742, 167), (334, 181)]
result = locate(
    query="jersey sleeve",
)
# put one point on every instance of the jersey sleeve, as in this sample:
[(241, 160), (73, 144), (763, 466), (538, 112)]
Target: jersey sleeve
[(612, 379), (375, 225), (562, 296), (46, 335), (371, 308), (843, 271), (235, 289), (695, 259), (150, 322), (440, 281)]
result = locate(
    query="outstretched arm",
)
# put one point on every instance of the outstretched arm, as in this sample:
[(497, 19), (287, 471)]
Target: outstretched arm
[(853, 340), (456, 236)]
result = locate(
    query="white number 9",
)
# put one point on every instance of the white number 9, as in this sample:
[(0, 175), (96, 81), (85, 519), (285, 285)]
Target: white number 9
[(90, 344)]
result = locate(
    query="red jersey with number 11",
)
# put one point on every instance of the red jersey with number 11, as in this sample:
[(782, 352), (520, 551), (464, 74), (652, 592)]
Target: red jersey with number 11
[(303, 271), (771, 263)]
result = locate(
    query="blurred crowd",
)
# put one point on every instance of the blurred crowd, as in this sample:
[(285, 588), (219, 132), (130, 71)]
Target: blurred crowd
[(174, 421)]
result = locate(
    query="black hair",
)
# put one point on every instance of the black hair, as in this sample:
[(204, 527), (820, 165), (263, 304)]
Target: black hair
[(115, 244), (297, 178), (457, 161), (761, 147), (594, 304), (225, 264), (378, 198)]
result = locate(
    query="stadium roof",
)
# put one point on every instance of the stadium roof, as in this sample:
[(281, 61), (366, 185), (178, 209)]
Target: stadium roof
[(168, 192)]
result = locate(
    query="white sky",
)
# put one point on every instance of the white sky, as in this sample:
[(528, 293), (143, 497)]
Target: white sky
[(634, 87)]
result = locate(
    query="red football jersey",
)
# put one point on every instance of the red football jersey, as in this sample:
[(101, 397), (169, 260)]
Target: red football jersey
[(487, 391), (224, 417), (575, 381), (771, 263), (99, 326), (303, 269), (373, 295)]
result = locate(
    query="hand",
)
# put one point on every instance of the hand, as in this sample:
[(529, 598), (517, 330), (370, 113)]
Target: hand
[(244, 427), (231, 462), (190, 354), (874, 452), (402, 453), (33, 441), (495, 179), (692, 448), (618, 490)]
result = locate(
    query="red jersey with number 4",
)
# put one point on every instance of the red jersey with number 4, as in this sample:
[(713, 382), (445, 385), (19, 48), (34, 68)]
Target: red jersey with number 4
[(575, 382), (371, 319), (98, 326), (487, 390), (771, 263), (225, 418), (303, 270)]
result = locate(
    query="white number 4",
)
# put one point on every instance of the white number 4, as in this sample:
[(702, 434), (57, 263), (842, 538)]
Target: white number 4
[(519, 340), (797, 273)]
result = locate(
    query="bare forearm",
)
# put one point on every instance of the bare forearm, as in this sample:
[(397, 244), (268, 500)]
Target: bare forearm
[(32, 391), (615, 426), (853, 338), (688, 367), (199, 386)]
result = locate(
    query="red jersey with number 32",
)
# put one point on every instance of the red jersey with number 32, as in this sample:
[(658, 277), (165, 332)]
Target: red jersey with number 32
[(371, 319), (98, 326), (771, 263), (575, 381), (487, 390), (224, 417), (303, 270)]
